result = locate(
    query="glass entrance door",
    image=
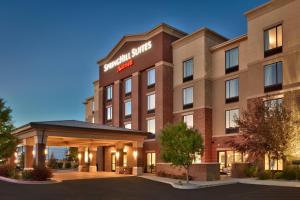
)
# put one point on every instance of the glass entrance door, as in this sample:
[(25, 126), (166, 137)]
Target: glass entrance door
[(151, 162), (113, 162)]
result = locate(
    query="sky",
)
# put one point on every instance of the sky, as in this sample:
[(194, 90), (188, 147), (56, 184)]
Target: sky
[(49, 48)]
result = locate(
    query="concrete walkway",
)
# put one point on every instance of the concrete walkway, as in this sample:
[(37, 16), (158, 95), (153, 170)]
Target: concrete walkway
[(225, 181), (63, 175)]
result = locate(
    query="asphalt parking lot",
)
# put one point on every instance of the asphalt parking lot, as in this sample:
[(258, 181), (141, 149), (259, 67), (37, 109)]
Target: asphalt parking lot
[(135, 188)]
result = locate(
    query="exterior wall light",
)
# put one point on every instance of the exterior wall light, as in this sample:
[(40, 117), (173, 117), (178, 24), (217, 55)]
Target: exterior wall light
[(91, 156), (117, 154), (79, 156), (125, 150), (33, 152), (135, 153), (46, 151)]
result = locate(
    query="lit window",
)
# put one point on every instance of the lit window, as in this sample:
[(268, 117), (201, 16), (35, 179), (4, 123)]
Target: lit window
[(197, 158), (109, 113), (188, 70), (231, 116), (188, 119), (232, 60), (151, 102), (127, 125), (151, 77), (273, 40), (273, 164), (128, 86), (151, 126), (273, 77), (93, 119), (125, 159), (232, 90), (188, 97), (109, 93), (128, 108)]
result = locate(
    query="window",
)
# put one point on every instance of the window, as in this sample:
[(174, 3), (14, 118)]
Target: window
[(232, 60), (231, 115), (109, 113), (151, 103), (127, 125), (188, 70), (188, 97), (273, 77), (93, 106), (273, 40), (232, 90), (189, 120), (151, 77), (273, 103), (273, 164), (109, 93), (93, 119), (128, 86), (128, 108), (197, 158), (125, 160), (151, 126)]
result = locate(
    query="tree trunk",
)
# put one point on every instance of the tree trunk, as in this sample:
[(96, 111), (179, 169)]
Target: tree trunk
[(187, 174)]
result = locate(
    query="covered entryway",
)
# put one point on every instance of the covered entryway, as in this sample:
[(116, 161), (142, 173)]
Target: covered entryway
[(116, 149)]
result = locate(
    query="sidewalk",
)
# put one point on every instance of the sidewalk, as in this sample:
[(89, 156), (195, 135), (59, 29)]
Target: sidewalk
[(225, 181)]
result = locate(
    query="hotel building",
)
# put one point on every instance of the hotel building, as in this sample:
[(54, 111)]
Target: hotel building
[(166, 75)]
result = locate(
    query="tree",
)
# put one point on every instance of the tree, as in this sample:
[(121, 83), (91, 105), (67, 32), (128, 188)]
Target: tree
[(8, 142), (72, 154), (179, 145), (266, 129)]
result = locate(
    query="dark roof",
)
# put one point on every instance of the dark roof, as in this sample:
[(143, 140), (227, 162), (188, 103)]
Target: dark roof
[(81, 124)]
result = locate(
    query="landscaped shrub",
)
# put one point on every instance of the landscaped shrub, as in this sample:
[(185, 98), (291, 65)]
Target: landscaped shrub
[(251, 171), (60, 165), (289, 174), (278, 175), (265, 175), (37, 174), (68, 165), (27, 174), (7, 171), (52, 162)]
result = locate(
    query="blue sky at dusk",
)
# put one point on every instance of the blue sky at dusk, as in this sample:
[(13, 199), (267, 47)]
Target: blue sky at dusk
[(49, 49)]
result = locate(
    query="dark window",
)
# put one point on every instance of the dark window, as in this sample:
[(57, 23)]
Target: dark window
[(232, 90), (231, 116), (128, 86), (188, 99), (109, 113), (127, 109), (151, 77), (273, 40), (188, 66), (273, 77), (232, 60), (109, 93)]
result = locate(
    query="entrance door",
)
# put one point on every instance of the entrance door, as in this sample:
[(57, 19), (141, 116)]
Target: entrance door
[(150, 162), (226, 158), (222, 159), (113, 162)]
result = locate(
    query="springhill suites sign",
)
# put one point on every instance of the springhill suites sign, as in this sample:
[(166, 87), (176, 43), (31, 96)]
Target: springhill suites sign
[(127, 57)]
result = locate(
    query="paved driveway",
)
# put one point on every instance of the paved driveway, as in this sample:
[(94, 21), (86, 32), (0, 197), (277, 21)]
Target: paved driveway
[(135, 188)]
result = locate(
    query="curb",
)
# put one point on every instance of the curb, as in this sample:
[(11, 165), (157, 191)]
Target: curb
[(15, 181)]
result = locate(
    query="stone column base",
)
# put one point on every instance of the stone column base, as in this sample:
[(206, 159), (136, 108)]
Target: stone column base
[(137, 171), (118, 170), (80, 168), (93, 169)]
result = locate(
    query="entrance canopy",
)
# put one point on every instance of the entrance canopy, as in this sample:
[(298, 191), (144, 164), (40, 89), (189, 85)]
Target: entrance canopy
[(77, 133), (35, 136)]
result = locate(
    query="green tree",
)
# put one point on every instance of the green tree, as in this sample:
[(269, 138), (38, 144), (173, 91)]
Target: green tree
[(8, 142), (179, 145), (72, 154)]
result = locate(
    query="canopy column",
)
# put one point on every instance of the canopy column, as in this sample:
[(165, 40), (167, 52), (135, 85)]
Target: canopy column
[(138, 158)]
